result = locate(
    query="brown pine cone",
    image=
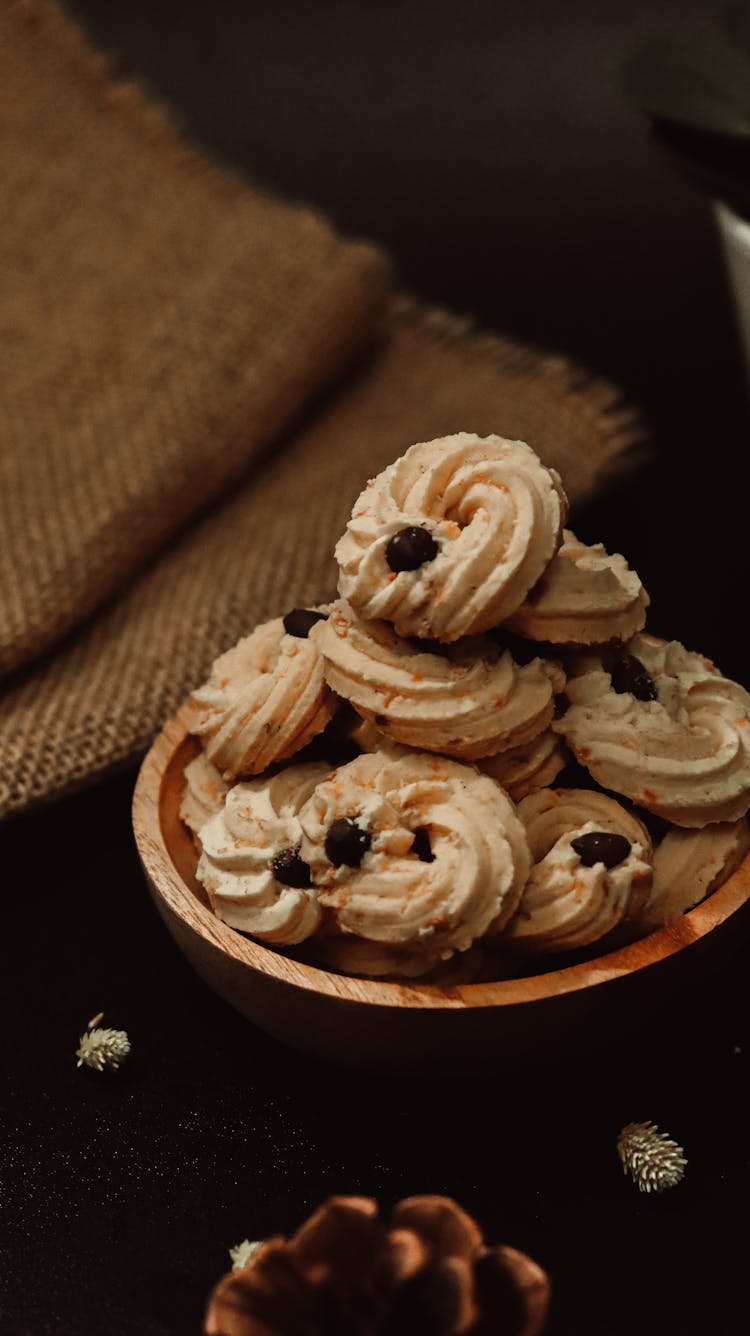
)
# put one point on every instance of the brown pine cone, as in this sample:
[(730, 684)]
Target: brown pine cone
[(347, 1273)]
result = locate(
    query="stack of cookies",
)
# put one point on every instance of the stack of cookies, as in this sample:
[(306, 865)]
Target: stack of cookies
[(376, 774)]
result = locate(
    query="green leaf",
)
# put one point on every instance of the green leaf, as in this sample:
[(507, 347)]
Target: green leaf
[(701, 81)]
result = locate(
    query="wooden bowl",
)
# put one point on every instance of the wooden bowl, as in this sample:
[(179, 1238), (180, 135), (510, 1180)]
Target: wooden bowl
[(484, 1028)]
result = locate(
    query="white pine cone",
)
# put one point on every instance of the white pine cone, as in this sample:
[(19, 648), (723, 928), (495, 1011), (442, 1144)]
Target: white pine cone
[(244, 1253), (653, 1160), (103, 1048)]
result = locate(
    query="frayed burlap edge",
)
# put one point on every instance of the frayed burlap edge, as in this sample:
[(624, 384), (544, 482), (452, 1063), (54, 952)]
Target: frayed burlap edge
[(94, 706)]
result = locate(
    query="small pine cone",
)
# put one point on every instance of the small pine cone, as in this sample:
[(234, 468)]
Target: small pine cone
[(653, 1160), (103, 1048), (244, 1253), (348, 1273)]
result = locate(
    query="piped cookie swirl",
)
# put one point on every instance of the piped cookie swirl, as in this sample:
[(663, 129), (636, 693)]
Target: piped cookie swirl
[(379, 960), (415, 851), (204, 794), (474, 641), (661, 725), (466, 700), (592, 868), (688, 866), (524, 770), (448, 541), (266, 697), (251, 866), (585, 597)]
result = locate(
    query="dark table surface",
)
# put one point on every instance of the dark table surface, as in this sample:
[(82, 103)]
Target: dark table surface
[(487, 146)]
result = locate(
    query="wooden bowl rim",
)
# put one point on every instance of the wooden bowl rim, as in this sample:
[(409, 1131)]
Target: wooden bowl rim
[(167, 882)]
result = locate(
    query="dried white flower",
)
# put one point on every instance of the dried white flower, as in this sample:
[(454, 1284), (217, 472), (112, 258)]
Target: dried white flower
[(102, 1048), (653, 1160), (244, 1253)]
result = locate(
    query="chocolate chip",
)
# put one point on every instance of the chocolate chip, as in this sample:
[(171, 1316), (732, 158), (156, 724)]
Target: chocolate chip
[(347, 842), (629, 675), (290, 869), (410, 548), (421, 846), (299, 620), (601, 846)]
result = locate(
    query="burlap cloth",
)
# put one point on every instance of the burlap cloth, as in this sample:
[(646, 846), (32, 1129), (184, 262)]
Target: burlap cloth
[(164, 324)]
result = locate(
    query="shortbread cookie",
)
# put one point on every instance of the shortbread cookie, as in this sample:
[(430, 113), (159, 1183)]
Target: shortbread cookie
[(663, 727), (250, 865), (592, 869), (366, 735), (204, 795), (449, 540), (688, 866), (466, 700), (415, 851), (524, 770), (585, 597), (266, 697), (378, 960)]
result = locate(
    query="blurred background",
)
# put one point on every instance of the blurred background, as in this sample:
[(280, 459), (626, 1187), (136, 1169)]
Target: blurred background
[(486, 144), (489, 147)]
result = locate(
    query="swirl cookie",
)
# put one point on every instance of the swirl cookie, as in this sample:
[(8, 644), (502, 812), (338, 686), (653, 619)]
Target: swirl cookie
[(465, 700), (266, 697), (688, 866), (250, 865), (524, 770), (663, 727), (585, 597), (204, 795), (378, 960), (592, 869), (415, 852), (449, 540)]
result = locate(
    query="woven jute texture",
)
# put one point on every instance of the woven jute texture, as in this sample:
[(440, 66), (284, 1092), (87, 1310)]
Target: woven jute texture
[(128, 457), (160, 321)]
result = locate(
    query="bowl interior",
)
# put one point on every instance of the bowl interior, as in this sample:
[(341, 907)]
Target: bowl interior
[(170, 859)]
